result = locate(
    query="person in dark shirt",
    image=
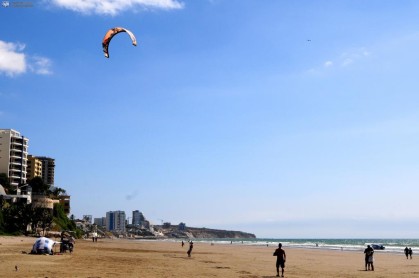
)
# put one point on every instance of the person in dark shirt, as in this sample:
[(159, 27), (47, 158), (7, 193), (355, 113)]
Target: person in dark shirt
[(406, 252), (190, 248), (280, 259), (369, 258)]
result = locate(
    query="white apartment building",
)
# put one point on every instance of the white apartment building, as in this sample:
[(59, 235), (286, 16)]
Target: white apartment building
[(13, 156)]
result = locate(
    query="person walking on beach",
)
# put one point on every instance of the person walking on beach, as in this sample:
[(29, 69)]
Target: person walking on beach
[(369, 258), (406, 252), (190, 248), (410, 253), (183, 243), (280, 259)]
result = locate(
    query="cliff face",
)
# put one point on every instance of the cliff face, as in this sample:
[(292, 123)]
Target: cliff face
[(211, 233), (173, 232)]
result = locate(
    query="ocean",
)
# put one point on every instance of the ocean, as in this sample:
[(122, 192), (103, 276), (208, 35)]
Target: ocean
[(391, 245)]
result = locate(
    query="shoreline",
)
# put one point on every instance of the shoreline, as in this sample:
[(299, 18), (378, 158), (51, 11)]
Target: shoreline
[(321, 244)]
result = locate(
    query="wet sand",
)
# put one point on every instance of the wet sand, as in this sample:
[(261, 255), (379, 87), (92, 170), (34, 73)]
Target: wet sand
[(127, 258)]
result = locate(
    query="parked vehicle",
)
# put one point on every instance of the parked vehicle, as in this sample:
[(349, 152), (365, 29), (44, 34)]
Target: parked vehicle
[(67, 241), (377, 246)]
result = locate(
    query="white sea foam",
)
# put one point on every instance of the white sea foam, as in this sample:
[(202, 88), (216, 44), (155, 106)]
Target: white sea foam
[(356, 245)]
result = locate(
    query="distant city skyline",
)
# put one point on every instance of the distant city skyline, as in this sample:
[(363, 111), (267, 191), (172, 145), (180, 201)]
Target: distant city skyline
[(278, 118)]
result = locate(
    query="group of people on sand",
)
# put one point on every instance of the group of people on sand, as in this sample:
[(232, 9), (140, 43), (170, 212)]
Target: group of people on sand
[(369, 257), (279, 253), (189, 252), (281, 257), (408, 252)]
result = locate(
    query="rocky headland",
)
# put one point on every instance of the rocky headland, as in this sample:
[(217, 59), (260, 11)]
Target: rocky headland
[(190, 232)]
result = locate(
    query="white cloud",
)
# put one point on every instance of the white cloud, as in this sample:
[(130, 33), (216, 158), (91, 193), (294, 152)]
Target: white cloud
[(328, 64), (349, 58), (113, 7), (344, 60), (14, 62), (40, 65)]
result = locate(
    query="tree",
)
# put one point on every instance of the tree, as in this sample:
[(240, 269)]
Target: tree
[(42, 218), (17, 216), (38, 186), (61, 219), (57, 191), (4, 181)]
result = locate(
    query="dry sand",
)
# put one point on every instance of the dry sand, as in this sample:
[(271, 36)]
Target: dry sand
[(127, 258)]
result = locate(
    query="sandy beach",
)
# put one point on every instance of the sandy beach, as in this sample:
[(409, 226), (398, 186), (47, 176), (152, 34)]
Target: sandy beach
[(127, 258)]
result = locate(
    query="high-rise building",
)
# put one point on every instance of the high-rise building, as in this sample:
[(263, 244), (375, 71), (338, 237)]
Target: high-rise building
[(34, 168), (101, 221), (48, 169), (41, 166), (13, 156), (137, 218), (115, 221)]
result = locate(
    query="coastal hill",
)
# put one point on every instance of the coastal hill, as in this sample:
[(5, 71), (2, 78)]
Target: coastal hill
[(190, 232)]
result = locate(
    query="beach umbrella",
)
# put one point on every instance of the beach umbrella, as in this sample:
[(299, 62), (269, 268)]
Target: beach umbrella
[(43, 245)]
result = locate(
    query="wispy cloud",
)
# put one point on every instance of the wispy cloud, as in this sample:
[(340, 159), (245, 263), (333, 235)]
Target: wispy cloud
[(40, 65), (114, 7), (328, 64), (344, 60), (13, 61), (351, 57)]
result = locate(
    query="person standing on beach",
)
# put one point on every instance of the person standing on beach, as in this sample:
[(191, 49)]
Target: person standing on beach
[(190, 248), (369, 258), (410, 253), (280, 259), (406, 252)]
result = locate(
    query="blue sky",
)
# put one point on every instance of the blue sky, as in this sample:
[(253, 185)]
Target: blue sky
[(280, 118)]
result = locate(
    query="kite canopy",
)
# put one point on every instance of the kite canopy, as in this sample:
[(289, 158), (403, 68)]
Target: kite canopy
[(111, 33), (43, 245)]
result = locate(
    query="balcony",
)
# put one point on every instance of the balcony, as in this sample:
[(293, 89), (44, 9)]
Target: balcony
[(16, 143), (15, 181), (14, 175), (15, 169), (15, 156)]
